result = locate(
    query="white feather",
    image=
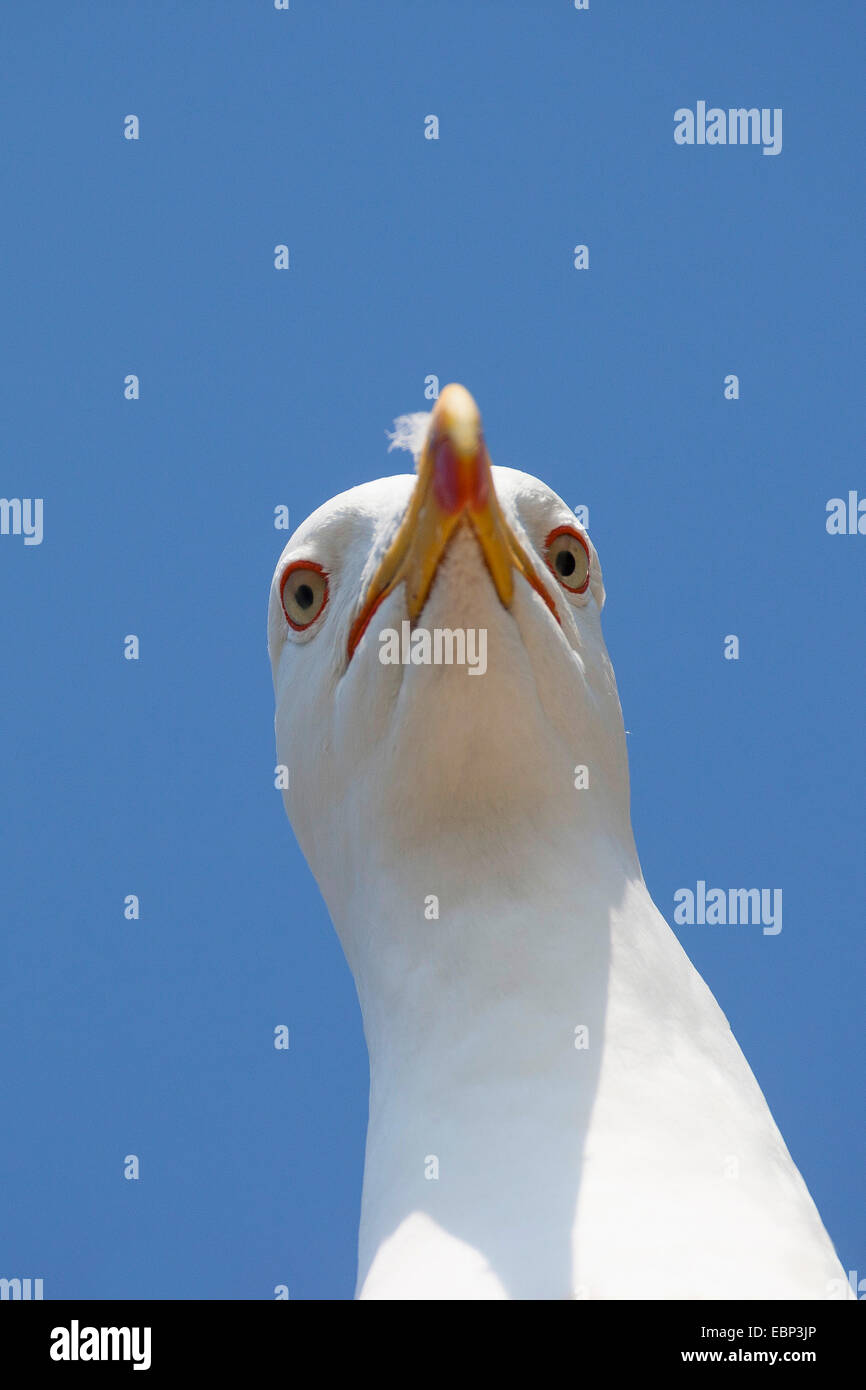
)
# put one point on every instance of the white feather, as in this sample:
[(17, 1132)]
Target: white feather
[(410, 432)]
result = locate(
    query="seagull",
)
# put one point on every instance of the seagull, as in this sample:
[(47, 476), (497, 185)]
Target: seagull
[(558, 1108)]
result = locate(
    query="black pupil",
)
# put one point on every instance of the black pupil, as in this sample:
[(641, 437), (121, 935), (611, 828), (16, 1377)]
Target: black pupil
[(565, 562), (304, 596)]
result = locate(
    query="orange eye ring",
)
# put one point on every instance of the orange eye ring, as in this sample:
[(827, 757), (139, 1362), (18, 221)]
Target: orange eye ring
[(293, 603), (566, 550)]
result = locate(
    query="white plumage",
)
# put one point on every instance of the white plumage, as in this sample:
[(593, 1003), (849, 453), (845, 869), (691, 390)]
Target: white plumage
[(646, 1165)]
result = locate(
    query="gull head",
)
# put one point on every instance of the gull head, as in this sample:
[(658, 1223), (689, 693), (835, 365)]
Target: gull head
[(442, 684)]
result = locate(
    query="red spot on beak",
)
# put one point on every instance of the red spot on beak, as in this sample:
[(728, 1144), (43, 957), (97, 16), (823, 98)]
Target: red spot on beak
[(460, 481)]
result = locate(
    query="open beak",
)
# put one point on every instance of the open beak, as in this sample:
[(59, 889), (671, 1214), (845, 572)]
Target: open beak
[(454, 487)]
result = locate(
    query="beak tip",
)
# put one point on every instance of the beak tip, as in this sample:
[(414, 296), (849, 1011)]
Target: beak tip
[(456, 417), (455, 454)]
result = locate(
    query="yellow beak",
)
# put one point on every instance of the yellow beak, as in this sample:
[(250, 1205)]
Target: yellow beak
[(454, 488)]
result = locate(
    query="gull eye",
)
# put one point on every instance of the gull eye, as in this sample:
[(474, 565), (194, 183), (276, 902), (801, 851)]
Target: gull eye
[(567, 555), (304, 591)]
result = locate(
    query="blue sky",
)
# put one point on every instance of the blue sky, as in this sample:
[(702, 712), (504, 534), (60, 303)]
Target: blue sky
[(258, 387)]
